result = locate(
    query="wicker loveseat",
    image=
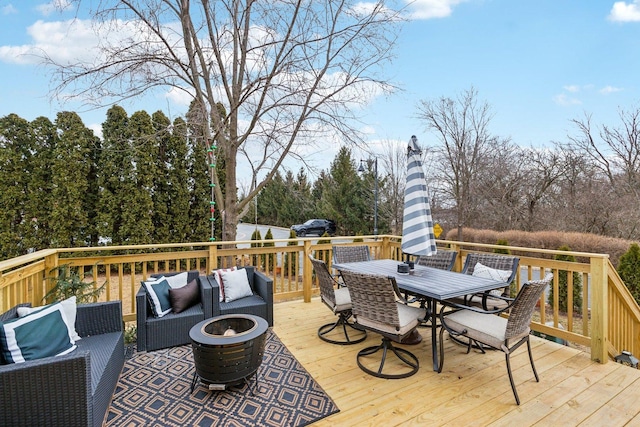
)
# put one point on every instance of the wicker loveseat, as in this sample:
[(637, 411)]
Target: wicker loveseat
[(74, 389)]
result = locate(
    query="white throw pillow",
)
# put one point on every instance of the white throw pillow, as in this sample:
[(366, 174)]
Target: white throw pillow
[(69, 309), (236, 285), (219, 281), (178, 280), (481, 270)]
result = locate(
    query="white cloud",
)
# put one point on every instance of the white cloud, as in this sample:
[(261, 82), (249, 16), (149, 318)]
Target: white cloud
[(63, 41), (609, 89), (565, 101), (571, 88), (625, 12), (428, 9), (47, 9), (8, 9)]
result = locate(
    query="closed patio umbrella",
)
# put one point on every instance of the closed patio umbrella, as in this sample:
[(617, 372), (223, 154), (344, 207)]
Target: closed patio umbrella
[(417, 224)]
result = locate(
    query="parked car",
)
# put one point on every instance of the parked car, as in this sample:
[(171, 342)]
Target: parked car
[(315, 226)]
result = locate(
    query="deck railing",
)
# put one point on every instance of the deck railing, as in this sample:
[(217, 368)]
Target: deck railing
[(608, 322)]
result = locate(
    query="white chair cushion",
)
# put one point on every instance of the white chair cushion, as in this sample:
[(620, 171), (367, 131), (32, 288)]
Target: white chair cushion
[(485, 328), (343, 299), (408, 316)]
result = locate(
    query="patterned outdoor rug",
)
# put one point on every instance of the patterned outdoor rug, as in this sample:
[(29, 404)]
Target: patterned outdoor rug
[(155, 390)]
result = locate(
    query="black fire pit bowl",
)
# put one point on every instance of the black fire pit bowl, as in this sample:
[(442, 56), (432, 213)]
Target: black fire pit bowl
[(228, 350)]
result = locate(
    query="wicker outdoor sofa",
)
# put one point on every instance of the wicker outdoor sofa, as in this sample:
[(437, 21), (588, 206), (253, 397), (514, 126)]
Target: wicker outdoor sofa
[(74, 389)]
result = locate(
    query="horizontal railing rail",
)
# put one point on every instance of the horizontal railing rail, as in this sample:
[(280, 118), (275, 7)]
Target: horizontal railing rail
[(607, 321)]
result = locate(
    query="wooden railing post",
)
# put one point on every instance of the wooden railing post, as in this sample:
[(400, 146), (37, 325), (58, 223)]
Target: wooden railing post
[(386, 247), (50, 262), (307, 269), (457, 266), (213, 258), (599, 309)]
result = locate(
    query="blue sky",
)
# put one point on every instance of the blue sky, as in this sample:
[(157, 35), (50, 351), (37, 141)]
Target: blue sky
[(538, 63)]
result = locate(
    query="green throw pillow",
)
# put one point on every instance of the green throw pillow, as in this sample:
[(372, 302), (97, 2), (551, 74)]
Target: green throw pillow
[(158, 295), (41, 334)]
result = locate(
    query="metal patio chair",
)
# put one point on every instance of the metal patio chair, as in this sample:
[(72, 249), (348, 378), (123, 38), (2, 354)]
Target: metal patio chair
[(443, 260), (339, 301), (345, 254), (506, 269), (485, 328), (375, 309)]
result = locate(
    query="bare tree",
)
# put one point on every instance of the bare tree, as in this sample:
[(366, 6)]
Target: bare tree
[(617, 151), (462, 127), (614, 151), (394, 169), (269, 76)]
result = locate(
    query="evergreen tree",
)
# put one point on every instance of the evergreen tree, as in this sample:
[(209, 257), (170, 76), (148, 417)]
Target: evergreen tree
[(162, 181), (562, 285), (269, 259), (177, 157), (200, 195), (15, 153), (629, 270), (291, 258), (323, 254), (73, 158), (270, 201), (116, 177), (139, 225), (502, 242), (256, 238), (203, 156), (343, 199), (38, 230)]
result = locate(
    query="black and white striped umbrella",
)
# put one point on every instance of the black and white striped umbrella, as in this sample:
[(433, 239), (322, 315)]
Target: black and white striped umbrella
[(417, 224)]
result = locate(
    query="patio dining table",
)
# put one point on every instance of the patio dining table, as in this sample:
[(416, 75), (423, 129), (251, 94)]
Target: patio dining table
[(431, 283)]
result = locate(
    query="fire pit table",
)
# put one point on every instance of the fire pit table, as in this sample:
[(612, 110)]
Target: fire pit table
[(227, 350)]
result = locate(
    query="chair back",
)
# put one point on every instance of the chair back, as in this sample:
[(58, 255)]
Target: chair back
[(523, 306), (499, 262), (325, 281), (443, 260), (345, 254), (373, 298)]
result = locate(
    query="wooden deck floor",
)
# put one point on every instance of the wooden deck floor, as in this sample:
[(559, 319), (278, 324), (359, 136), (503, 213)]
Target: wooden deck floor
[(472, 389)]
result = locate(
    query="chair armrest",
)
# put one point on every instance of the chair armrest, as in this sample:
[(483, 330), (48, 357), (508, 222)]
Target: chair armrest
[(142, 308), (214, 301), (263, 286), (206, 296), (99, 318), (56, 389), (487, 296), (448, 304)]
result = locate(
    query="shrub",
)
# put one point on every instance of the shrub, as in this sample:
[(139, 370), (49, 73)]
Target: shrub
[(67, 283), (268, 260), (505, 251), (629, 270), (562, 285), (291, 259), (255, 258), (324, 255)]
